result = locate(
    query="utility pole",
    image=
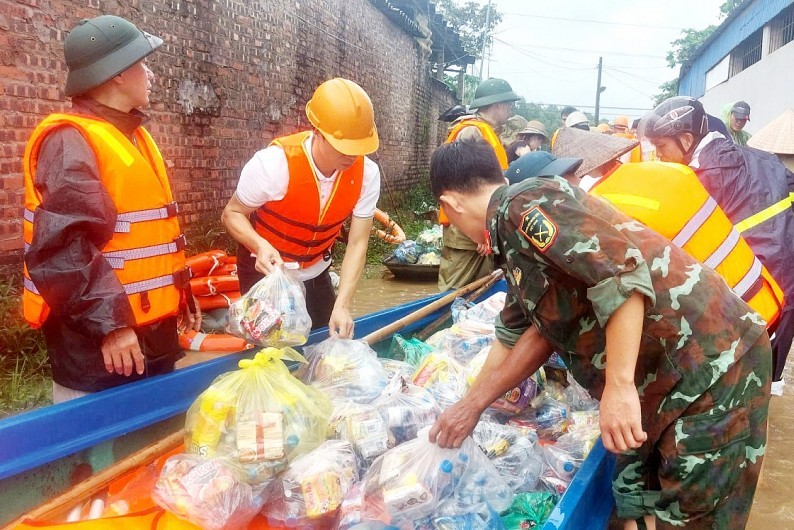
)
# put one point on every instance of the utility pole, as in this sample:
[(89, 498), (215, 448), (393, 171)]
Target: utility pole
[(599, 89), (485, 37)]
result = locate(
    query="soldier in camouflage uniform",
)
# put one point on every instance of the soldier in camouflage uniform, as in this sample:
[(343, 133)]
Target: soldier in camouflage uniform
[(684, 388)]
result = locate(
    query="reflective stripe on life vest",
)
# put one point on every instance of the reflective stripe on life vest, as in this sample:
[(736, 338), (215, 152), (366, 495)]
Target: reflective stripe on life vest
[(764, 215), (670, 199), (146, 249), (296, 225)]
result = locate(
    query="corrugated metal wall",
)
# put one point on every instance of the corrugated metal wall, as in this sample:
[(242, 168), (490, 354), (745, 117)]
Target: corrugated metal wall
[(750, 19)]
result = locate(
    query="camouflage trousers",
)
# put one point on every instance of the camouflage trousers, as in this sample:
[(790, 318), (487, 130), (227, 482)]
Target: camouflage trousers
[(703, 470)]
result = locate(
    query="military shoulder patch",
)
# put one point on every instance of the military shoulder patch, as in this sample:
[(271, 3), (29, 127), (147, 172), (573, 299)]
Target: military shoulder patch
[(538, 228)]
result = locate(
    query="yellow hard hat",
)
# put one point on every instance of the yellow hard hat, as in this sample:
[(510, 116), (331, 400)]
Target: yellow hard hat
[(621, 121), (343, 113)]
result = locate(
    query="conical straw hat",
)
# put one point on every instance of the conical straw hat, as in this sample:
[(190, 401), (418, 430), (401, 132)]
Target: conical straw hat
[(594, 148), (777, 136)]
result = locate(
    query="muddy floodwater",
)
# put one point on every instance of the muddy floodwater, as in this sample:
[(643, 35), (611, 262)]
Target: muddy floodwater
[(773, 506), (374, 294)]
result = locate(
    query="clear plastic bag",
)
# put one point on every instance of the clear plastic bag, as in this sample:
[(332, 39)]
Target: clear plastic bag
[(394, 367), (259, 417), (272, 313), (517, 399), (444, 377), (515, 453), (312, 489), (549, 418), (578, 397), (406, 408), (466, 339), (363, 426), (408, 252), (345, 369), (452, 515), (411, 481), (431, 237), (563, 460), (208, 492), (485, 311)]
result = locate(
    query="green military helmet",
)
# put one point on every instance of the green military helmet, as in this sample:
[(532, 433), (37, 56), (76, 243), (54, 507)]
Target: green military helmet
[(101, 48), (492, 91)]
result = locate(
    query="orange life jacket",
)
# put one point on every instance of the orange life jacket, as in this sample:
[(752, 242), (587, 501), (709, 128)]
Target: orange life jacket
[(295, 225), (670, 199), (488, 134), (146, 248)]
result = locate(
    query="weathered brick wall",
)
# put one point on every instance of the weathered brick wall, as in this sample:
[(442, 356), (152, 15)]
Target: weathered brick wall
[(231, 76)]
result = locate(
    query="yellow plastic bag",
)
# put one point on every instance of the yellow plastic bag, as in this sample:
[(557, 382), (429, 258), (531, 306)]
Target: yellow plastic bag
[(259, 417)]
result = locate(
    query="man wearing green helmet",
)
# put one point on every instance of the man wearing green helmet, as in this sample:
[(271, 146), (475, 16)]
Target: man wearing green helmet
[(105, 274), (462, 260)]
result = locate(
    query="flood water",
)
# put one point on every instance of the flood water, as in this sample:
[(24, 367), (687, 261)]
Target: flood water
[(382, 292), (773, 506)]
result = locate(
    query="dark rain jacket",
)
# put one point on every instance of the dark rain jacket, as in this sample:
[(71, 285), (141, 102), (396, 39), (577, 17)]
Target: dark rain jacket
[(75, 220), (746, 182)]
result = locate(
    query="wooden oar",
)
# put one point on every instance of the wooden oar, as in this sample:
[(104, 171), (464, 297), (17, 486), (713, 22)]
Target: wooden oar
[(440, 321), (89, 487), (379, 335)]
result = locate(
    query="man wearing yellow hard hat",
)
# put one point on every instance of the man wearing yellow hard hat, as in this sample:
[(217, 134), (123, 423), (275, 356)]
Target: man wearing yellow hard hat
[(294, 196)]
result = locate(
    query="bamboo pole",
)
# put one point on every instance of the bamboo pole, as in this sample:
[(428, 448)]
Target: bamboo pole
[(437, 323), (89, 487), (377, 336)]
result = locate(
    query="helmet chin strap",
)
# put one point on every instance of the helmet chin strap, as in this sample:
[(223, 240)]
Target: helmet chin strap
[(687, 152)]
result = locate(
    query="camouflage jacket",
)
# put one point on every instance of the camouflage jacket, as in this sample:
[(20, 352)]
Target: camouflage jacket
[(571, 260)]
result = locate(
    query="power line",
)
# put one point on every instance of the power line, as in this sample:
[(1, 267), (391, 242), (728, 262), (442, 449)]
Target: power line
[(591, 21), (580, 50)]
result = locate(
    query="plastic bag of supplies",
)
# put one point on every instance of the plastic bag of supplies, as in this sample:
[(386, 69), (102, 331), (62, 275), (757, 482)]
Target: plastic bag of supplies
[(312, 489), (272, 313), (345, 369), (259, 417), (209, 492), (411, 482)]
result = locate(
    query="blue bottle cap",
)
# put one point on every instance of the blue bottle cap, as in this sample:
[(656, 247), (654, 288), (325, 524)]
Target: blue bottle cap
[(446, 466), (463, 457), (292, 440), (568, 467)]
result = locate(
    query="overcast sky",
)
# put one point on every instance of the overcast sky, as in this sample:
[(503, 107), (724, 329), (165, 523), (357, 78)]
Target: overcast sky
[(554, 61)]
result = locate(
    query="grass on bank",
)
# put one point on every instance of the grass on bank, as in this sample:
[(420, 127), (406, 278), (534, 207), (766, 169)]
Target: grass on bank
[(25, 379)]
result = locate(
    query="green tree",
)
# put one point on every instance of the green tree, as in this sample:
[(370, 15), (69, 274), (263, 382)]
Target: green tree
[(469, 21), (686, 46)]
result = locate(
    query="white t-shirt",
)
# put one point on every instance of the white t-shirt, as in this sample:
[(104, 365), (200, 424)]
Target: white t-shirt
[(265, 178)]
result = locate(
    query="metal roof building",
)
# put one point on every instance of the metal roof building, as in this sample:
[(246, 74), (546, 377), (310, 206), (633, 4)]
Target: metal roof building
[(748, 57)]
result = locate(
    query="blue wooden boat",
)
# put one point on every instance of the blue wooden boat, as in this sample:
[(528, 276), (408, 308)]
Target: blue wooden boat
[(39, 449)]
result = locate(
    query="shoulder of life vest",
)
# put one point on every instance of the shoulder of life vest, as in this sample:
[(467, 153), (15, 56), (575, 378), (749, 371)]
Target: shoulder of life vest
[(488, 134), (146, 249), (296, 226), (670, 199)]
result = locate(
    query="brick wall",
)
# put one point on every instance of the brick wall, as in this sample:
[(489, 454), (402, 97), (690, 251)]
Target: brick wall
[(231, 76)]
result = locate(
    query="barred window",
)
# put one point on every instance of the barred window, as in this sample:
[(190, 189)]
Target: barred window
[(782, 27), (747, 53)]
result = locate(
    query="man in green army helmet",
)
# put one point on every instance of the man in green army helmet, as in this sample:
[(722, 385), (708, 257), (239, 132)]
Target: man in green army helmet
[(105, 274), (681, 365), (462, 261)]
